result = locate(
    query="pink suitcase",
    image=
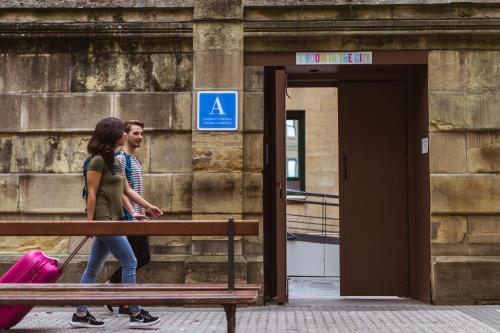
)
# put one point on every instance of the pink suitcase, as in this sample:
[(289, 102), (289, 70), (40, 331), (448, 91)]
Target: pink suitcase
[(33, 267)]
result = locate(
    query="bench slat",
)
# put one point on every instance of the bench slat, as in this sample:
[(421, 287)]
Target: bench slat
[(116, 228), (120, 287), (100, 297)]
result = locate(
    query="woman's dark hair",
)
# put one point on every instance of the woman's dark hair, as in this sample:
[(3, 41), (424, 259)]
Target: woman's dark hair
[(103, 141)]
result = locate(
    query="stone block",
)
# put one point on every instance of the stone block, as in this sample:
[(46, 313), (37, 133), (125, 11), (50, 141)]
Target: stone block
[(252, 193), (213, 35), (9, 185), (253, 248), (213, 269), (158, 190), (163, 270), (254, 78), (158, 111), (182, 185), (464, 111), (217, 192), (218, 9), (255, 272), (6, 148), (219, 152), (447, 152), (170, 245), (110, 71), (448, 229), (35, 72), (260, 237), (253, 112), (460, 194), (328, 101), (218, 69), (57, 153), (484, 229), (484, 159), (465, 279), (171, 152), (172, 72), (446, 70), (51, 193), (22, 244), (64, 112), (10, 112), (253, 152), (214, 247), (483, 70)]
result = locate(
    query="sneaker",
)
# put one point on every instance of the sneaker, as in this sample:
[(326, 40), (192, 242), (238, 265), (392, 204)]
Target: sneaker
[(109, 308), (143, 319), (87, 321)]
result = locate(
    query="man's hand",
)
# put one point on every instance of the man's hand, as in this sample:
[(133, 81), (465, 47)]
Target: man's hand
[(154, 211), (139, 217)]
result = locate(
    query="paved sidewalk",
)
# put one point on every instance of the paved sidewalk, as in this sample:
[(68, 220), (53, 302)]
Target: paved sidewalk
[(338, 315)]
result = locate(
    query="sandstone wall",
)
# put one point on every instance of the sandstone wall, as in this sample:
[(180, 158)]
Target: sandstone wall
[(464, 99)]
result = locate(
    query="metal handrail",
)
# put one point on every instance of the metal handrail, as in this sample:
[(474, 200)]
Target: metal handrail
[(313, 194), (312, 202)]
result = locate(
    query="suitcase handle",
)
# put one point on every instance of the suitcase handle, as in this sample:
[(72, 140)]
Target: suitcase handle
[(74, 252)]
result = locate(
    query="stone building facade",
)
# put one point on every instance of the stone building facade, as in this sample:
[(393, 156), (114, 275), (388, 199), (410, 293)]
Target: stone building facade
[(64, 65)]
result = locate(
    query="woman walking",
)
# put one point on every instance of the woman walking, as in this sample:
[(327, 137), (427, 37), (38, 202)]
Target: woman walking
[(105, 189)]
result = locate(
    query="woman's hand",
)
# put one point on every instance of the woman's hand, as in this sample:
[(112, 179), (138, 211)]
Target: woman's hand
[(154, 211)]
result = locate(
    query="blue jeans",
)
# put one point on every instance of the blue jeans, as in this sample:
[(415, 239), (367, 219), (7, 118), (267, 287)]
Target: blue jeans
[(121, 250)]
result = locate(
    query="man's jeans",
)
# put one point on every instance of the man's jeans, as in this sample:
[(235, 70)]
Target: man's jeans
[(121, 250)]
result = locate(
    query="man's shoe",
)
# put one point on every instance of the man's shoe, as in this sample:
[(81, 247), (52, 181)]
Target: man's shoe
[(109, 308), (87, 321), (143, 319)]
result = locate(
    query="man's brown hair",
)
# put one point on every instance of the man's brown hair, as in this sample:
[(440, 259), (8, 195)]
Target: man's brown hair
[(130, 123)]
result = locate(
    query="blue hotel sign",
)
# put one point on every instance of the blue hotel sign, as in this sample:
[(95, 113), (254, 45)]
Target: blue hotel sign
[(217, 110)]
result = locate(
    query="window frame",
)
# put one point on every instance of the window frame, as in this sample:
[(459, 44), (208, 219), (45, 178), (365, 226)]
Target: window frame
[(300, 116)]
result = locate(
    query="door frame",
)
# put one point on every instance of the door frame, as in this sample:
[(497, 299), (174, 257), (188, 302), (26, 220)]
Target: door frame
[(418, 167)]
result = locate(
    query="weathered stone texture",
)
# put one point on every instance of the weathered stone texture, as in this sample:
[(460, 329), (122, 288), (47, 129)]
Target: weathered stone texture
[(211, 36), (10, 112), (182, 192), (218, 9), (252, 192), (64, 112), (446, 70), (170, 245), (171, 152), (253, 152), (9, 185), (217, 192), (461, 111), (483, 151), (448, 229), (159, 111), (49, 153), (217, 152), (46, 72), (254, 78), (6, 148), (214, 247), (255, 272), (158, 190), (465, 194), (447, 152), (213, 269), (483, 70), (484, 229), (51, 193), (460, 279), (253, 116), (172, 72), (96, 71), (21, 244), (162, 270), (208, 75)]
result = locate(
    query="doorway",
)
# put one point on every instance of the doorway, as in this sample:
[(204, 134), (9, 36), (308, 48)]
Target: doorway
[(384, 177)]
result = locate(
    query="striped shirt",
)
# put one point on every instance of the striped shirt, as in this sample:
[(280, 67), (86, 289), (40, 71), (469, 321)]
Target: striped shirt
[(136, 176)]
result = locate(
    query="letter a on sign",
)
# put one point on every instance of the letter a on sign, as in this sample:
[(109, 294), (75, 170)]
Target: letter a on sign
[(217, 106)]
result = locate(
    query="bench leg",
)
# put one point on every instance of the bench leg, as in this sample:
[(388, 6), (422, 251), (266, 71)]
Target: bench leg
[(231, 317)]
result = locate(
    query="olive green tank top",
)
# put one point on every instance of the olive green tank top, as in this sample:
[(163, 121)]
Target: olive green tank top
[(109, 194)]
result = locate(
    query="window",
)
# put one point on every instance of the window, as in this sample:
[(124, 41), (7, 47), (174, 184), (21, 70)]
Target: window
[(295, 150)]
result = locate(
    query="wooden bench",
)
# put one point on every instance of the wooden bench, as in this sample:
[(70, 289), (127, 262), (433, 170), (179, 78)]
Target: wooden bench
[(228, 295)]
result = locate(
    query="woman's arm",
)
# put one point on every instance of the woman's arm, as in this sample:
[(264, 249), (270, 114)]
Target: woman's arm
[(132, 195), (93, 180)]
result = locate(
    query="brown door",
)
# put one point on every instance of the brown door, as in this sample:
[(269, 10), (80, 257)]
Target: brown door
[(280, 188), (373, 189)]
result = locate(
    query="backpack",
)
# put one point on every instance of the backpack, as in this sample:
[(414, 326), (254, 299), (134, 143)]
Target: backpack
[(128, 175)]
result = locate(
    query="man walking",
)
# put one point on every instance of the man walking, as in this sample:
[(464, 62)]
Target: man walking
[(132, 170)]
